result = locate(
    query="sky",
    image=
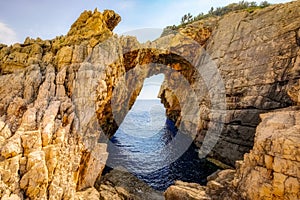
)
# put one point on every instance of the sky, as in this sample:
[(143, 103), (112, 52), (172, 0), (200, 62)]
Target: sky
[(50, 18), (151, 87), (142, 18)]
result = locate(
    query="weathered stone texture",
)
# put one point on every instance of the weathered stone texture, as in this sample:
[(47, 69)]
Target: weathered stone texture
[(61, 99), (257, 55), (41, 144)]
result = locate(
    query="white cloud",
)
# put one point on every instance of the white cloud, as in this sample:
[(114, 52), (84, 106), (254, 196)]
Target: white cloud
[(7, 35)]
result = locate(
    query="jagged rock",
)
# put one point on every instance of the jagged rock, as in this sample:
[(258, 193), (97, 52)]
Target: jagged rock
[(58, 98), (257, 55), (35, 180), (5, 133), (31, 141), (271, 169), (12, 147), (201, 30), (48, 123), (90, 193), (42, 149), (94, 26), (93, 165), (64, 56), (188, 191), (121, 185), (10, 179)]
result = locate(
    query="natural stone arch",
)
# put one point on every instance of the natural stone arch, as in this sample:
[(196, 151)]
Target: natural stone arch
[(110, 62), (149, 62), (41, 120)]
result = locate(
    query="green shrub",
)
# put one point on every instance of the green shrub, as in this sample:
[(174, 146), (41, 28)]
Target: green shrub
[(219, 11)]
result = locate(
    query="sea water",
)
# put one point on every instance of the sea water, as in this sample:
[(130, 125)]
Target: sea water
[(140, 147)]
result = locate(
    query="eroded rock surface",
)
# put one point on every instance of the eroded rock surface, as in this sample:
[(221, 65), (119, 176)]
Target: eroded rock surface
[(61, 99), (269, 171), (257, 55), (120, 185), (43, 151)]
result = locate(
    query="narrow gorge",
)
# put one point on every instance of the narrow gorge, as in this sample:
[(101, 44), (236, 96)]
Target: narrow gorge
[(231, 83)]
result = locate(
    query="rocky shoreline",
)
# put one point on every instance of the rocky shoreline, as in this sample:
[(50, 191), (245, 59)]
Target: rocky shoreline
[(269, 171), (59, 99)]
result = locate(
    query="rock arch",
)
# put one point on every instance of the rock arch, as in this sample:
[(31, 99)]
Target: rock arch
[(54, 93)]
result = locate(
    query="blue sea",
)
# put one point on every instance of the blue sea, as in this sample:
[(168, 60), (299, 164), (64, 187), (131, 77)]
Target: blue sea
[(148, 145)]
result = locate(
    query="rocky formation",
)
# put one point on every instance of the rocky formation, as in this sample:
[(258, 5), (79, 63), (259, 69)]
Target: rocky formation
[(47, 148), (62, 99), (121, 185), (218, 187), (269, 171), (182, 190), (257, 56)]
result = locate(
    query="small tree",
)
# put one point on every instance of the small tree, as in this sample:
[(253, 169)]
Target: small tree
[(186, 18), (218, 11), (264, 4), (183, 19), (253, 4), (243, 4), (189, 17), (211, 11)]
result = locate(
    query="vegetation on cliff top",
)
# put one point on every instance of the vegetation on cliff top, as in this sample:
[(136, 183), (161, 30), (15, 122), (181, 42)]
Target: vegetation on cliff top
[(219, 11)]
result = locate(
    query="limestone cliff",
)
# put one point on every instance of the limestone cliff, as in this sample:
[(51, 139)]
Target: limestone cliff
[(47, 148), (262, 79), (62, 99), (269, 171), (257, 55)]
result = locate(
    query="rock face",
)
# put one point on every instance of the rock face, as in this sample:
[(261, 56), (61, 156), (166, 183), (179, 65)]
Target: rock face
[(269, 171), (257, 55), (61, 99), (43, 153), (218, 187), (264, 51), (121, 185), (182, 190)]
